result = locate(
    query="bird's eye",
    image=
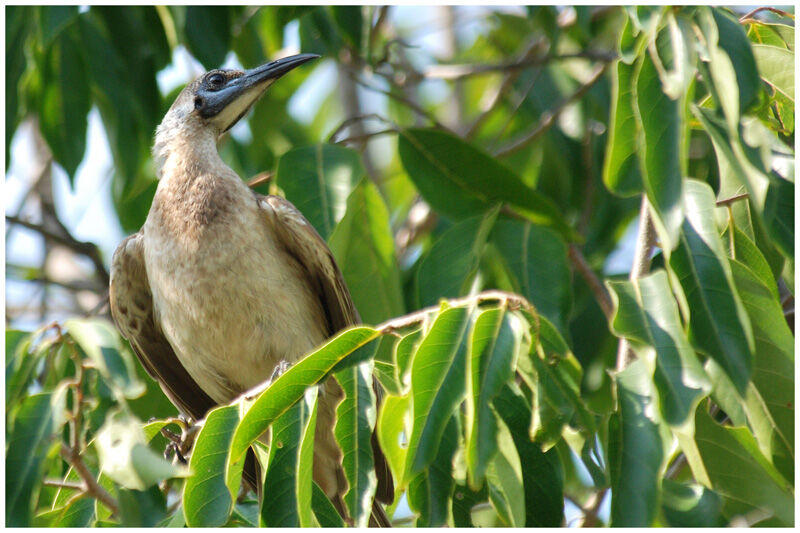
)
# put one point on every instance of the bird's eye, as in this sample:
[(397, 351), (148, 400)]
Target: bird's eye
[(216, 80)]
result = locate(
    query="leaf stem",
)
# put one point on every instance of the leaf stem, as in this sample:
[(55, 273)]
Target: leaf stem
[(90, 485)]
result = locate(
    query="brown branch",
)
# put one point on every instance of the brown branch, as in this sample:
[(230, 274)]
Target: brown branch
[(749, 15), (548, 118), (64, 238), (403, 100), (57, 483), (732, 199), (596, 286), (461, 71), (90, 485), (512, 301)]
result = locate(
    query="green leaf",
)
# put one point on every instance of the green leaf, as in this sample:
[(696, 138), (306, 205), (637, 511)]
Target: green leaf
[(431, 491), (323, 509), (207, 496), (438, 385), (647, 315), (449, 267), (355, 420), (739, 472), (124, 456), (690, 505), (317, 180), (19, 24), (142, 508), (768, 400), (719, 326), (363, 245), (780, 35), (350, 21), (537, 259), (208, 34), (733, 41), (65, 102), (661, 120), (746, 252), (394, 419), (621, 172), (779, 214), (493, 348), (403, 356), (53, 20), (78, 513), (459, 180), (635, 450), (292, 384), (38, 419), (542, 475), (775, 67), (102, 344), (504, 480), (20, 364), (288, 485), (554, 375)]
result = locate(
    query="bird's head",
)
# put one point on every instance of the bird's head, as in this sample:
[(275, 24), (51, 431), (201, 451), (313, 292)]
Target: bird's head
[(218, 99)]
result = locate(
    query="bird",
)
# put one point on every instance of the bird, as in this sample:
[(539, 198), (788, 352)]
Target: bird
[(222, 286)]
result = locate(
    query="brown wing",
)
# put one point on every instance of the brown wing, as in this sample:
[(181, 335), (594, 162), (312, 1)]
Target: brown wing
[(303, 242), (132, 311)]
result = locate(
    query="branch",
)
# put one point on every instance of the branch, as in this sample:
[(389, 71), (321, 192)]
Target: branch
[(460, 71), (597, 287), (90, 485), (64, 238), (512, 301), (732, 199), (548, 118), (750, 14)]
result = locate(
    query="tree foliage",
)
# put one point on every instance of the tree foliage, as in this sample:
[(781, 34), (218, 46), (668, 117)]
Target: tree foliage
[(474, 217)]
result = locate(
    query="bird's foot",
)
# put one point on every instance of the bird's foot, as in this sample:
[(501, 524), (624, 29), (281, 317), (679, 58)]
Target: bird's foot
[(280, 369)]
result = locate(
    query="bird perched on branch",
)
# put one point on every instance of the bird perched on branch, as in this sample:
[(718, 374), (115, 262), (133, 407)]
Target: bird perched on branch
[(222, 285)]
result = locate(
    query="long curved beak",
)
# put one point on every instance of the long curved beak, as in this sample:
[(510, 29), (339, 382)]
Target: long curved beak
[(231, 102)]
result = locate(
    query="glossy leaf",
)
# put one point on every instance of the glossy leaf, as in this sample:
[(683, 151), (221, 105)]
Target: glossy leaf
[(459, 180), (536, 257), (324, 511), (438, 385), (393, 420), (449, 267), (747, 253), (719, 325), (779, 214), (772, 61), (20, 364), (733, 41), (142, 508), (101, 342), (65, 103), (621, 172), (647, 315), (317, 180), (355, 420), (660, 119), (207, 497), (739, 472), (504, 480), (38, 419), (288, 486), (364, 249), (208, 33), (493, 348), (124, 456), (430, 491), (292, 384), (635, 450), (768, 400), (542, 475), (690, 505)]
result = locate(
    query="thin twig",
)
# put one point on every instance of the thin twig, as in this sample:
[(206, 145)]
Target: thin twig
[(732, 199), (461, 71), (403, 100), (596, 286), (91, 487), (64, 238), (548, 118), (57, 483), (509, 299), (749, 15)]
